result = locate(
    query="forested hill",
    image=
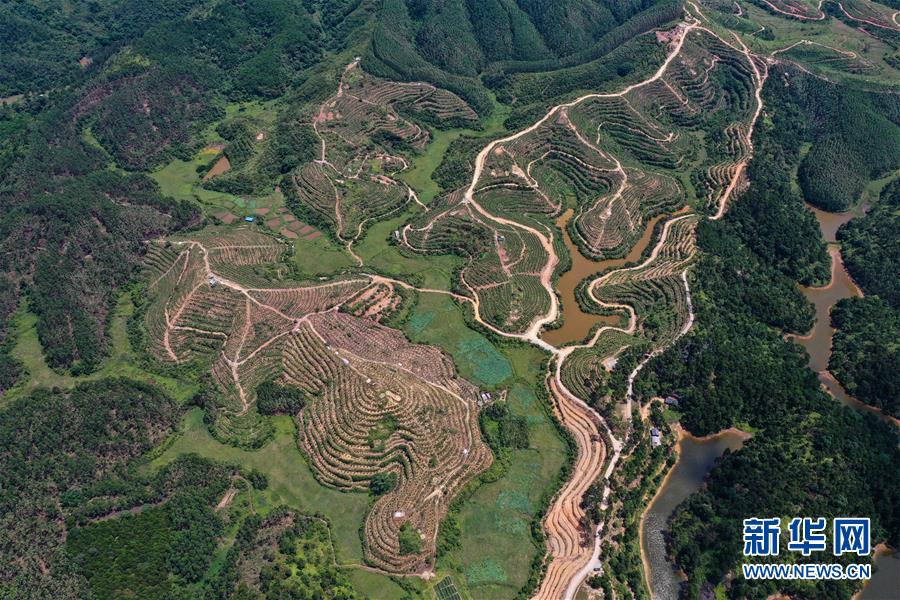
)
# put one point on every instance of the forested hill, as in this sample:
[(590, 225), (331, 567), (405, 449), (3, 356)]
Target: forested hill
[(96, 94), (809, 454), (865, 356), (453, 42), (256, 46)]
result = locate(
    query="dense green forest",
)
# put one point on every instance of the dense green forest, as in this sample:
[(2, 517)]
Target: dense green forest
[(855, 138), (71, 236), (809, 454), (257, 46), (870, 249), (771, 220), (865, 355), (159, 547), (451, 43), (56, 446), (81, 514), (173, 542)]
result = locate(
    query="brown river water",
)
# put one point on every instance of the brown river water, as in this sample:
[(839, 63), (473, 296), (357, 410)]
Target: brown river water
[(577, 324), (818, 341)]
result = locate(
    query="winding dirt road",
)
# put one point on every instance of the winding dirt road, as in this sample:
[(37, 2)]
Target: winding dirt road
[(570, 556)]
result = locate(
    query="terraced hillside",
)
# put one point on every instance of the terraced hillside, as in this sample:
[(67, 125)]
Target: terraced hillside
[(380, 406), (367, 132), (422, 276), (682, 136), (648, 161)]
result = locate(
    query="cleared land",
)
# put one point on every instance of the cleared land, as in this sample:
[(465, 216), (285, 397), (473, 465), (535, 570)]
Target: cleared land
[(647, 161)]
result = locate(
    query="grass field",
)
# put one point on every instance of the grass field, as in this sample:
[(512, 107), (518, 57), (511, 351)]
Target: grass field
[(291, 483), (180, 180), (120, 363), (496, 551), (432, 271), (320, 256), (437, 320), (378, 587), (290, 480), (497, 548)]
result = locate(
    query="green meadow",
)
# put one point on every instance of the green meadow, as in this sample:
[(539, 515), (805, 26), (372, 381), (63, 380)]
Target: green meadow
[(418, 176), (496, 548)]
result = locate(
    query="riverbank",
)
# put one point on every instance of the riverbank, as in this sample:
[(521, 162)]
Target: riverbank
[(577, 324)]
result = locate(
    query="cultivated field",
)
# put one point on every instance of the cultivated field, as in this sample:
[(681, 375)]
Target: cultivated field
[(378, 405), (367, 132), (647, 161)]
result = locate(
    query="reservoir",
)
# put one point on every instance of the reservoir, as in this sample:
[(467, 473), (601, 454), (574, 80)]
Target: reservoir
[(577, 324), (885, 581), (696, 457), (818, 341)]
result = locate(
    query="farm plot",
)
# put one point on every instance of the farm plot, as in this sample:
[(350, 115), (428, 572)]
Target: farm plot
[(872, 14), (367, 131), (380, 408), (797, 9), (620, 159), (555, 161), (504, 264), (587, 368), (446, 590), (201, 308), (692, 119), (818, 57)]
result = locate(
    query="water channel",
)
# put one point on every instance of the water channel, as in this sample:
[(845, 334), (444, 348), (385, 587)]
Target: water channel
[(818, 341)]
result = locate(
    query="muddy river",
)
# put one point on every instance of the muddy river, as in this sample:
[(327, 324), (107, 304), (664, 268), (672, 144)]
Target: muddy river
[(577, 324), (696, 457), (818, 341)]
